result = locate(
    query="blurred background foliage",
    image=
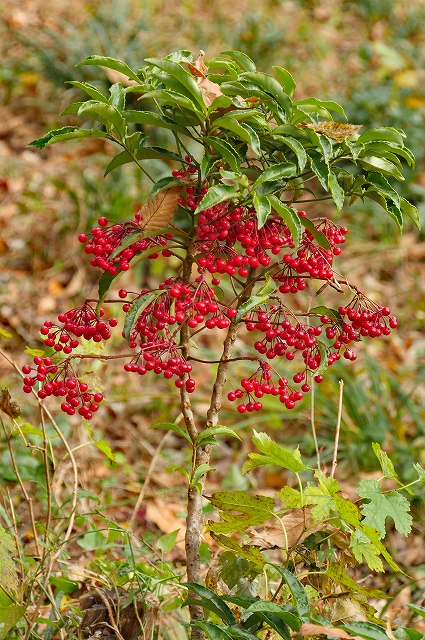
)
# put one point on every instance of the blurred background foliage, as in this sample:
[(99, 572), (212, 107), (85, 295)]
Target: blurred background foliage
[(369, 55)]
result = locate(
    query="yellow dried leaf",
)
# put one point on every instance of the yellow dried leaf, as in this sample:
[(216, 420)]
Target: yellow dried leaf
[(158, 212), (337, 131), (308, 629), (7, 405)]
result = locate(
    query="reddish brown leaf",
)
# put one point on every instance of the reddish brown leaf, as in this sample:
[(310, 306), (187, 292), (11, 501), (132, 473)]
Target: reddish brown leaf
[(308, 629), (210, 90), (7, 405), (158, 212)]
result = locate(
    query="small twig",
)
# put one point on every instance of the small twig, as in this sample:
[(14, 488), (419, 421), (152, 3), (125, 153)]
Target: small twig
[(338, 427), (107, 604), (313, 424)]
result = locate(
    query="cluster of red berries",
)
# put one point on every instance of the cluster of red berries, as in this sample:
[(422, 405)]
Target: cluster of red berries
[(105, 241), (82, 322), (162, 358), (59, 380), (261, 383), (221, 228)]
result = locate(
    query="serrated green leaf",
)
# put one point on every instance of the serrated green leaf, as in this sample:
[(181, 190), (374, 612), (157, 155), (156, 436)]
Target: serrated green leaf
[(290, 218), (420, 471), (297, 148), (110, 63), (215, 195), (410, 210), (211, 601), (242, 130), (366, 630), (338, 574), (240, 510), (104, 113), (286, 80), (90, 90), (382, 133), (374, 163), (381, 506), (365, 551), (297, 591), (276, 172), (176, 70), (218, 430), (66, 133), (386, 464), (383, 186), (262, 208), (320, 169), (336, 190), (271, 86), (8, 569), (273, 453), (136, 309), (226, 151), (250, 553), (291, 498)]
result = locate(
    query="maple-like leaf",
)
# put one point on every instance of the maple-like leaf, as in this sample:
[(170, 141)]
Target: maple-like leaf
[(158, 212), (364, 550), (382, 506), (210, 90)]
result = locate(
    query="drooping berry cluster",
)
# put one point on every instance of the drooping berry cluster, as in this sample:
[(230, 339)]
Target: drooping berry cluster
[(81, 322), (59, 380), (261, 383), (105, 241)]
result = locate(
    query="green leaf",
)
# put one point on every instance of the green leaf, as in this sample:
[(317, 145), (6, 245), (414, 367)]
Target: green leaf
[(314, 105), (286, 80), (297, 148), (262, 207), (7, 334), (117, 161), (389, 207), (164, 183), (339, 575), (324, 355), (290, 217), (381, 506), (90, 90), (240, 510), (211, 601), (410, 210), (167, 542), (297, 591), (320, 169), (276, 172), (226, 151), (241, 58), (420, 471), (118, 95), (155, 120), (215, 195), (386, 464), (417, 609), (318, 235), (104, 113), (110, 63), (381, 133), (265, 606), (104, 447), (322, 496), (212, 432), (291, 498), (8, 568), (241, 130), (213, 631), (173, 98), (136, 309), (258, 298), (336, 190), (105, 283), (271, 86), (66, 133), (175, 70), (246, 551), (10, 615), (171, 426), (366, 630), (373, 163), (274, 454), (383, 186)]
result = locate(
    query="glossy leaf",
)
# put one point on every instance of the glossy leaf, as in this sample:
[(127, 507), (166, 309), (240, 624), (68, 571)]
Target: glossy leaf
[(265, 606), (182, 76), (243, 131), (258, 298), (66, 133), (290, 217), (336, 190), (136, 309), (215, 195), (242, 59), (212, 432), (171, 426), (276, 172), (104, 113), (297, 148), (90, 90), (382, 133), (366, 630), (410, 210), (270, 86), (297, 591), (286, 80), (263, 208), (226, 151), (110, 63), (373, 163), (318, 235), (155, 120), (210, 601)]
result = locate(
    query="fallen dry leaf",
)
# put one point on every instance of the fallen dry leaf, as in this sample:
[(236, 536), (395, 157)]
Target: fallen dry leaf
[(337, 131), (158, 212), (164, 515), (308, 629), (9, 406), (298, 525), (210, 90)]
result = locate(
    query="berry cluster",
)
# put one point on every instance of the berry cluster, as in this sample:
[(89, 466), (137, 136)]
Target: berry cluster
[(105, 241), (261, 383), (59, 380), (82, 322)]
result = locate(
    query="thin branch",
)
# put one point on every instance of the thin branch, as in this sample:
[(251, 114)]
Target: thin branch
[(338, 428)]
